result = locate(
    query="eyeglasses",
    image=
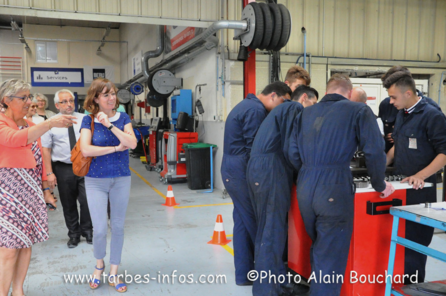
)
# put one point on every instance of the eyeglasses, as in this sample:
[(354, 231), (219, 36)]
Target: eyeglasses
[(24, 98), (66, 102), (33, 106), (283, 99), (40, 101)]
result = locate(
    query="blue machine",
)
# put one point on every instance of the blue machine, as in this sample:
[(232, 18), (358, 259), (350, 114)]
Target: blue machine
[(181, 101)]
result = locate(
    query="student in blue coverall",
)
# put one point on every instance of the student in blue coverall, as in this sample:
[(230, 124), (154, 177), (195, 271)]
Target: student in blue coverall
[(240, 129), (270, 178), (419, 152), (388, 112), (295, 77), (325, 137)]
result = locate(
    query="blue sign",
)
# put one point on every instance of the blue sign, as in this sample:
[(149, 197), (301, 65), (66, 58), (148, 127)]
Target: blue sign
[(57, 77)]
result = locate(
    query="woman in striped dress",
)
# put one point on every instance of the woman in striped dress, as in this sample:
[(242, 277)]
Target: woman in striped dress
[(23, 188)]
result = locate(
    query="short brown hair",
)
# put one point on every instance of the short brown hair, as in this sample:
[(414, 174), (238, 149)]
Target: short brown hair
[(395, 69), (96, 88), (400, 79), (341, 81), (297, 72)]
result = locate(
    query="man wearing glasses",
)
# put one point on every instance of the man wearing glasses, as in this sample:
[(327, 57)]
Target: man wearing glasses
[(57, 144)]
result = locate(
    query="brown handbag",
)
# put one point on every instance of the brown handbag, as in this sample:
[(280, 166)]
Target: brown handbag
[(81, 164)]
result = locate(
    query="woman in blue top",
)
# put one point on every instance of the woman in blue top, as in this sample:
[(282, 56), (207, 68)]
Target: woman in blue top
[(109, 176)]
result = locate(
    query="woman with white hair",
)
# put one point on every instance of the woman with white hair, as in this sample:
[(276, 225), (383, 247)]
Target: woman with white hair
[(42, 104), (23, 186), (32, 113)]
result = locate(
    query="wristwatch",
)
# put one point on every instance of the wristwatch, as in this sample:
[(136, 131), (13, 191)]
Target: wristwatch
[(110, 127), (49, 174)]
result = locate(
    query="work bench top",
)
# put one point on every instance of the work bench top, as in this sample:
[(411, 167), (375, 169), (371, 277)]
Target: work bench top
[(396, 184), (437, 211)]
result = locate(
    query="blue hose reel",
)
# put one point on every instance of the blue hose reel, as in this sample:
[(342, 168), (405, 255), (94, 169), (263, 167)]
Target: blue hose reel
[(136, 88)]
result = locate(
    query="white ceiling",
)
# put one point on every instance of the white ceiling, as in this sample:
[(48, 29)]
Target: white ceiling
[(5, 20)]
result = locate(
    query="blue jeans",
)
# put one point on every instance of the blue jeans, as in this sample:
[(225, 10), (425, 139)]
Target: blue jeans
[(99, 192)]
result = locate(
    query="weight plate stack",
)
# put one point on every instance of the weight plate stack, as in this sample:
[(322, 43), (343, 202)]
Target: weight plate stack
[(268, 25), (277, 28), (286, 27), (259, 28)]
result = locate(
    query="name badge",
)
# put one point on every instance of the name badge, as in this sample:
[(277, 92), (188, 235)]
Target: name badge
[(412, 143)]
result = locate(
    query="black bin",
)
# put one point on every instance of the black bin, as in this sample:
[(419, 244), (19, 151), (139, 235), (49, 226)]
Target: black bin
[(198, 165)]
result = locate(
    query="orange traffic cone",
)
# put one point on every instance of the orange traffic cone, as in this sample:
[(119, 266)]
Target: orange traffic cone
[(219, 237), (170, 200)]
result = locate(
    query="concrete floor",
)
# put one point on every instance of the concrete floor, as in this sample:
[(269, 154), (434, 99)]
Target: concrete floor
[(158, 240)]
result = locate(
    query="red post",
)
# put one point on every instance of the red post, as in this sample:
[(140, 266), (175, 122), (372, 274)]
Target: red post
[(249, 68)]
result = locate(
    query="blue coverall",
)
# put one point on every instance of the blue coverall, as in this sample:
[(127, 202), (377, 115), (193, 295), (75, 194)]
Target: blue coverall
[(240, 129), (324, 140), (388, 112), (419, 137), (270, 178)]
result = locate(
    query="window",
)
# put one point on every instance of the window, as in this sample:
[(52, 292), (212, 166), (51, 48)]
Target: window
[(46, 52)]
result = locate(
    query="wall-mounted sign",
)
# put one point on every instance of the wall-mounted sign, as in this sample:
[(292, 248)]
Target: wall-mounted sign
[(57, 77), (136, 63), (177, 36), (93, 72), (98, 73)]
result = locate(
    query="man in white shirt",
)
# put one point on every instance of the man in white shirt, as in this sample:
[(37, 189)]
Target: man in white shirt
[(359, 95), (57, 144)]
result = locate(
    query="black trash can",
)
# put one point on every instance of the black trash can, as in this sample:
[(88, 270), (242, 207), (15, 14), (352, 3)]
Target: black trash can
[(198, 165)]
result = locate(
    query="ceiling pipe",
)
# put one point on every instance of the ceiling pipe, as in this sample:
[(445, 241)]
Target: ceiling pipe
[(439, 87), (106, 33), (204, 41), (186, 52), (153, 53), (145, 59), (15, 27)]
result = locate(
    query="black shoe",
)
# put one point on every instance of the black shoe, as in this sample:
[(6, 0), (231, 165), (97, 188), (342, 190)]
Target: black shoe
[(88, 237), (73, 242)]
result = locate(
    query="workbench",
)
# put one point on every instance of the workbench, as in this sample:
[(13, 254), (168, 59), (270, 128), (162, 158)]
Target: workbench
[(434, 216)]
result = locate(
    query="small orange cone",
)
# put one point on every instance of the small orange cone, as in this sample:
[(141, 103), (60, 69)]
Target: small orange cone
[(170, 200), (219, 237)]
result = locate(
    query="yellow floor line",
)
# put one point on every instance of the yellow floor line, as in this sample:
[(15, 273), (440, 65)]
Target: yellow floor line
[(148, 183), (228, 248), (163, 196), (210, 205)]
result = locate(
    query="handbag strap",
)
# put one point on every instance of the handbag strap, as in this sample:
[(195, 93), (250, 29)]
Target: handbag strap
[(92, 124)]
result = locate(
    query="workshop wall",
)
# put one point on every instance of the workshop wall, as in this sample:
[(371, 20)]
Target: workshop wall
[(72, 54), (374, 29), (11, 55)]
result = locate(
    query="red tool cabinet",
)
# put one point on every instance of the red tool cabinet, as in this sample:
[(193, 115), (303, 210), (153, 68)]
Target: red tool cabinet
[(370, 243)]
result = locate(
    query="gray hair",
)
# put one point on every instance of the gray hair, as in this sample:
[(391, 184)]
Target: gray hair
[(43, 97), (56, 96), (11, 87)]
